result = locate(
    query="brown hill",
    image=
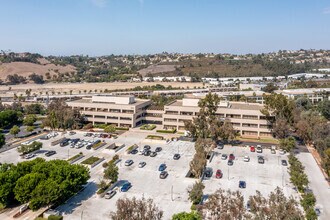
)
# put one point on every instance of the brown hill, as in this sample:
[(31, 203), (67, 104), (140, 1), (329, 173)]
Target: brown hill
[(25, 69)]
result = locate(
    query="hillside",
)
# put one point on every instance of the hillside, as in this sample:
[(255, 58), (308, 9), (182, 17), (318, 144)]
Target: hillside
[(26, 68)]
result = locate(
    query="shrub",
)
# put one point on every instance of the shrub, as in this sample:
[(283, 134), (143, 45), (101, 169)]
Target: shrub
[(105, 165), (167, 131), (25, 149), (155, 137), (90, 160), (148, 127), (75, 156), (122, 128), (55, 217)]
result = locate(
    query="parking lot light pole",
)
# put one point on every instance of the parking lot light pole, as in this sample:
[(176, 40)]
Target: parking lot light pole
[(172, 193), (228, 172)]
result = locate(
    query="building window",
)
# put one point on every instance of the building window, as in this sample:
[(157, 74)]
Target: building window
[(250, 125), (253, 117)]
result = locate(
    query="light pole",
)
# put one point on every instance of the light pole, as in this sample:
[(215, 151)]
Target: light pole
[(228, 172), (172, 193)]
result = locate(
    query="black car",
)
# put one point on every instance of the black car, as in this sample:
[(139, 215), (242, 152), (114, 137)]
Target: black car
[(147, 152), (284, 163), (208, 173), (153, 154), (163, 174), (135, 151), (230, 162), (146, 147), (158, 149), (176, 156), (64, 143), (261, 160), (242, 184), (50, 153)]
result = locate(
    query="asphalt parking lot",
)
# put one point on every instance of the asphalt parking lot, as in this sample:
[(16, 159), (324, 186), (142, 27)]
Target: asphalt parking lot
[(262, 177), (170, 194)]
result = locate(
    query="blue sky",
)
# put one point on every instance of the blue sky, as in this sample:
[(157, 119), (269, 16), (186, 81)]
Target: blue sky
[(102, 27)]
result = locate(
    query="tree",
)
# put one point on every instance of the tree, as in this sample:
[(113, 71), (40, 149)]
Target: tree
[(196, 192), (270, 87), (34, 109), (303, 103), (287, 144), (276, 206), (297, 175), (111, 172), (29, 120), (224, 205), (280, 128), (135, 209), (198, 163), (2, 140), (29, 129), (324, 108), (24, 149), (109, 129), (187, 216), (14, 130), (25, 185)]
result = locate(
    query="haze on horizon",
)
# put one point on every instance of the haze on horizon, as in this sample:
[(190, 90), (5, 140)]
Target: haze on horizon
[(102, 27)]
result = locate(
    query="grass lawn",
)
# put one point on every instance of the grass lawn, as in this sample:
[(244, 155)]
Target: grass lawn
[(260, 140), (90, 160)]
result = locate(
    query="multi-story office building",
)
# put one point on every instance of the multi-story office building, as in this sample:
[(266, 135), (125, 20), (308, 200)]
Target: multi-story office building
[(115, 110), (315, 95), (246, 118)]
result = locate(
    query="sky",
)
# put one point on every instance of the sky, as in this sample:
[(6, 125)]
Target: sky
[(103, 27)]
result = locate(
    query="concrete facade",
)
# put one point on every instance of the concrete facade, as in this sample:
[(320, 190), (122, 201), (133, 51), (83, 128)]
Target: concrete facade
[(246, 118)]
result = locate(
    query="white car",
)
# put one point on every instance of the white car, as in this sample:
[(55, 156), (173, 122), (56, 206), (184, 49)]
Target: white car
[(246, 159), (282, 152), (110, 194), (142, 164), (29, 156)]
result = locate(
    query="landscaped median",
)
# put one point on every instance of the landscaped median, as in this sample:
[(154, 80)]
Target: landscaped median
[(148, 127), (167, 131), (155, 137), (92, 161), (98, 145), (75, 158)]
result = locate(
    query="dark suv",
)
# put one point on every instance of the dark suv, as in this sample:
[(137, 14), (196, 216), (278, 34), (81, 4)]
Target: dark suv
[(176, 156)]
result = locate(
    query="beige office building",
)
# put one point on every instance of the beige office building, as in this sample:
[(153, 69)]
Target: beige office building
[(246, 118)]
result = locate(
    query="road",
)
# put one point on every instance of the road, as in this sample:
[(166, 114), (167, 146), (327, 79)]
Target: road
[(318, 183)]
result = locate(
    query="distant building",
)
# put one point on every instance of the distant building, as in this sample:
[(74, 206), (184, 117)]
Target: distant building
[(315, 95)]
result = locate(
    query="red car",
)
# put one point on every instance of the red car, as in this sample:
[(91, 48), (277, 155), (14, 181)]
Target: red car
[(252, 149), (231, 157), (218, 174)]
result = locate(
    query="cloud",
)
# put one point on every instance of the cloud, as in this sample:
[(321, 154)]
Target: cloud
[(99, 3), (326, 11)]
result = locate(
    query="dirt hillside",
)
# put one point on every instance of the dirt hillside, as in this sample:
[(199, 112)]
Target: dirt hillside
[(25, 69)]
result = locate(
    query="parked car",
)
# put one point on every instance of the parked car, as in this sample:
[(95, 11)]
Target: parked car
[(284, 163), (246, 158), (317, 211), (248, 206), (29, 156), (261, 160), (110, 194), (220, 145), (162, 167), (163, 174), (259, 149), (146, 152), (64, 143), (208, 172), (158, 149), (128, 162), (231, 157), (72, 133), (252, 149), (135, 151), (218, 174), (224, 157), (273, 151), (153, 154), (176, 156), (142, 164), (126, 187), (146, 147), (50, 153), (230, 162), (282, 152), (242, 184)]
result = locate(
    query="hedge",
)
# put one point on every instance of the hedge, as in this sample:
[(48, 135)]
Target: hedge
[(122, 129), (90, 161), (156, 137), (167, 131), (148, 127), (75, 156)]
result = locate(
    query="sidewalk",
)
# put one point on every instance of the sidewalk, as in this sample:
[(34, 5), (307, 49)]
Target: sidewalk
[(318, 160)]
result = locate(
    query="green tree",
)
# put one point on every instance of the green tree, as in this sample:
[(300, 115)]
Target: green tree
[(2, 140), (25, 185), (29, 120), (287, 144), (324, 108), (29, 128), (14, 130), (111, 172), (196, 192), (109, 129), (187, 216)]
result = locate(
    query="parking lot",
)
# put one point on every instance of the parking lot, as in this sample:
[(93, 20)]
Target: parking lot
[(169, 194), (262, 177)]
